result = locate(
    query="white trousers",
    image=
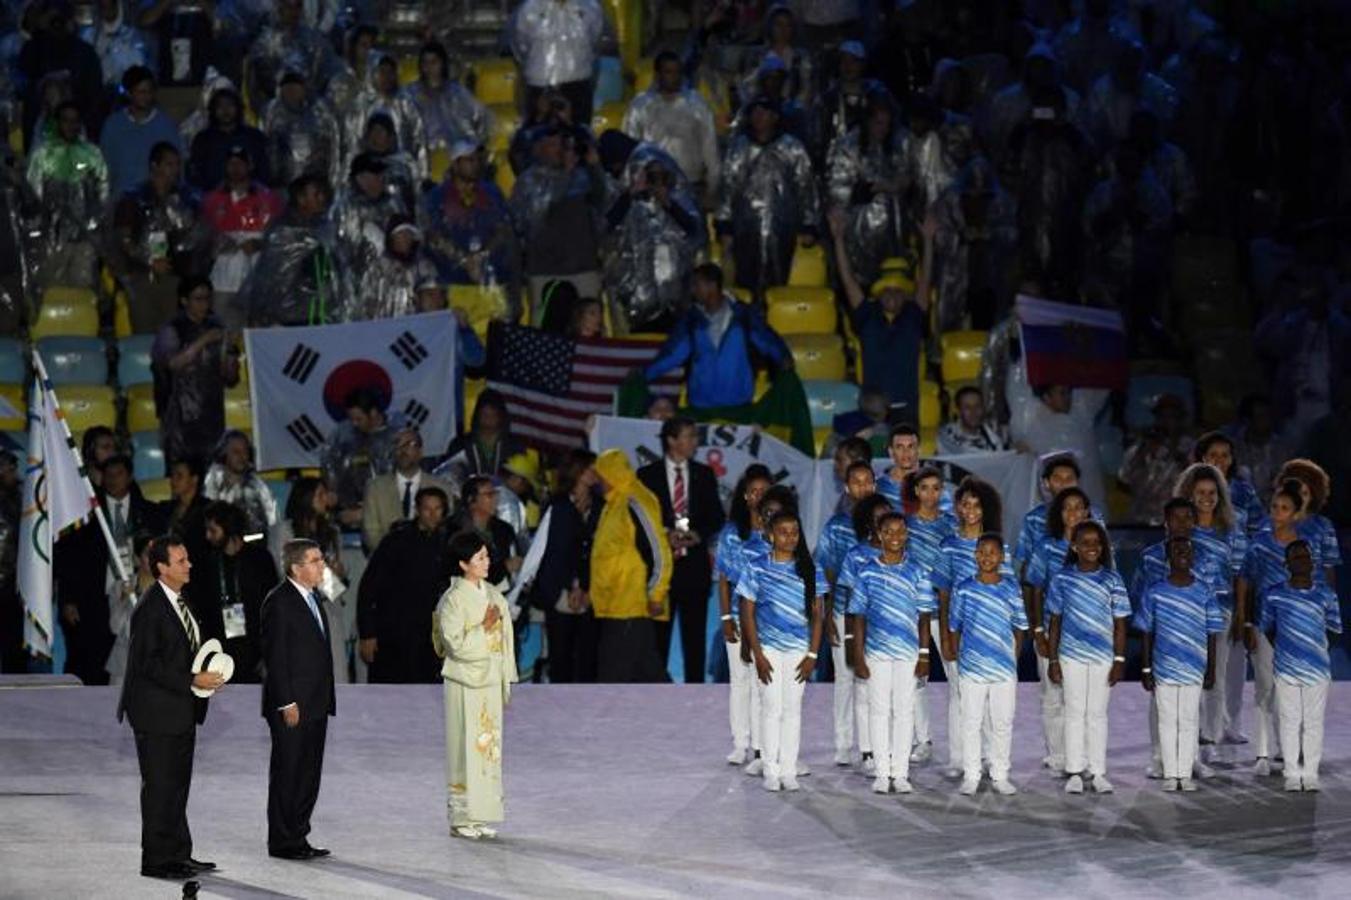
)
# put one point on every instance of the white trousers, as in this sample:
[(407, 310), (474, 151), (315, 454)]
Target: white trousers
[(891, 711), (1266, 728), (781, 713), (1086, 696), (1178, 726), (922, 712), (1222, 705), (1052, 712), (1302, 707), (987, 706), (851, 699), (743, 705)]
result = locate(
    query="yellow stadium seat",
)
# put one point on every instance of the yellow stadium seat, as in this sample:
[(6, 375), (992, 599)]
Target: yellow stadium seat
[(107, 281), (928, 442), (655, 337), (504, 178), (609, 116), (87, 405), (818, 356), (238, 412), (930, 410), (819, 438), (273, 474), (472, 388), (439, 163), (506, 120), (121, 314), (627, 18), (481, 304), (809, 267), (67, 311), (741, 294), (962, 352), (495, 80), (14, 395), (156, 490), (141, 415), (643, 75), (801, 310), (408, 70)]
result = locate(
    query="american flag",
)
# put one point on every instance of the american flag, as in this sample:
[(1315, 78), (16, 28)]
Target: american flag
[(552, 383)]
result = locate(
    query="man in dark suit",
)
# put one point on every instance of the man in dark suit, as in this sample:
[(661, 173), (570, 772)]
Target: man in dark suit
[(85, 570), (298, 698), (157, 697), (233, 578), (691, 511)]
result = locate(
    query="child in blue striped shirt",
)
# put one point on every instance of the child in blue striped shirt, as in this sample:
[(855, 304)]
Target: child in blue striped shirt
[(928, 525), (1089, 608), (1298, 618), (986, 623)]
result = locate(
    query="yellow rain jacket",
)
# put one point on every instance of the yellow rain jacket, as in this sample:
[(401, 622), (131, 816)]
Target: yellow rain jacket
[(620, 581)]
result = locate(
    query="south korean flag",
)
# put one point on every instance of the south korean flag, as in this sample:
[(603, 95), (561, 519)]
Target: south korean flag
[(300, 379)]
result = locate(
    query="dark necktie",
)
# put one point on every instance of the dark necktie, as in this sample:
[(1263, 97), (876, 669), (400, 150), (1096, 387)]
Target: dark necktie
[(189, 625), (408, 499)]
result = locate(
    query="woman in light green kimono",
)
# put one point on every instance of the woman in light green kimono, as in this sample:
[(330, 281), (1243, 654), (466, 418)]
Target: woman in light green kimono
[(471, 631)]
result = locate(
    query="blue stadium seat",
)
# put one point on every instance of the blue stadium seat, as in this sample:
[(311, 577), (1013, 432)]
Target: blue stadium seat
[(1145, 390), (133, 360), (827, 399), (609, 81), (75, 360), (13, 361), (148, 458), (281, 491)]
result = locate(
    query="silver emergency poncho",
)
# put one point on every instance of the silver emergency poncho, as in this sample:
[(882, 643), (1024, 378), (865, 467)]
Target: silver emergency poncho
[(1128, 232), (199, 119), (302, 141), (1046, 170), (450, 113), (868, 183), (963, 246), (934, 159), (387, 288), (361, 222), (555, 42), (70, 182), (174, 216), (768, 197), (682, 125), (1108, 107), (402, 111), (300, 277), (276, 50), (1174, 172), (119, 45), (648, 272)]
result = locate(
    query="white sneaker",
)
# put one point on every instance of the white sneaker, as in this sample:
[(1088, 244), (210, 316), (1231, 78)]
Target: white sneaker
[(869, 765), (803, 770), (1262, 767), (1201, 770), (1293, 784), (468, 832), (952, 772), (755, 767), (1005, 787), (1311, 784), (1074, 785), (1170, 785), (843, 758), (772, 783), (790, 783), (881, 785), (902, 786), (1154, 770), (1186, 785), (922, 752), (736, 758), (486, 831), (1101, 785), (969, 788)]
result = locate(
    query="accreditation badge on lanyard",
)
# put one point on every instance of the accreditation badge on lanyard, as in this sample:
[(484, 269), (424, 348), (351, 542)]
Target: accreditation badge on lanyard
[(235, 626)]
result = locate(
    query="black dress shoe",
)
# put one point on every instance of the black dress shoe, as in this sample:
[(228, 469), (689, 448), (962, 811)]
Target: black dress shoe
[(290, 853), (172, 871), (201, 866), (316, 852)]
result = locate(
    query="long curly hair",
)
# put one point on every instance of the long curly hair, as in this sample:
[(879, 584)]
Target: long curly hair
[(1200, 472), (991, 506)]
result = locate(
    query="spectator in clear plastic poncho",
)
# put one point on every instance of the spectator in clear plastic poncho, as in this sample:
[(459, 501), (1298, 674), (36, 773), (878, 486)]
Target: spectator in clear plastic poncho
[(1090, 45), (678, 120), (222, 130), (1012, 105), (358, 449), (938, 144), (155, 239), (1167, 161), (867, 180), (362, 209), (380, 95), (300, 278), (845, 104), (1128, 86), (388, 287), (381, 142), (975, 234), (450, 112), (232, 478), (773, 84), (302, 134), (350, 74), (52, 47), (287, 43), (1152, 464), (469, 232), (237, 213), (769, 199), (70, 180), (780, 43), (556, 43), (194, 122), (658, 230), (118, 42)]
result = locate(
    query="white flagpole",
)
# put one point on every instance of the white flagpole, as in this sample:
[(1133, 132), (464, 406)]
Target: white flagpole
[(113, 552)]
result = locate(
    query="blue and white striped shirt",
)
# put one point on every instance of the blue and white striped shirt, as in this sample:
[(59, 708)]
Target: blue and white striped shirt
[(1207, 566), (926, 535), (891, 598), (1047, 559), (1180, 619), (957, 562), (775, 589), (1033, 530), (1301, 618), (1264, 567), (1243, 497), (837, 537), (1088, 603), (891, 489), (987, 615), (1319, 530), (858, 556), (729, 560)]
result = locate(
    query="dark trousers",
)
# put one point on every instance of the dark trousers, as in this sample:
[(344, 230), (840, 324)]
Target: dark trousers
[(572, 646), (691, 603), (87, 647), (244, 651), (293, 779), (579, 94), (405, 662), (627, 654), (166, 775)]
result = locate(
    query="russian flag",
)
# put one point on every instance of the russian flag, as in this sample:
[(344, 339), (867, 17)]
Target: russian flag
[(1077, 346)]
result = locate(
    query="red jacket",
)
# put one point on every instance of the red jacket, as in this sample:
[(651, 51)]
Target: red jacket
[(252, 212)]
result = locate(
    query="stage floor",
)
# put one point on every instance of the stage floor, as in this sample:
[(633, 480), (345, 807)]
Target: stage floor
[(623, 791)]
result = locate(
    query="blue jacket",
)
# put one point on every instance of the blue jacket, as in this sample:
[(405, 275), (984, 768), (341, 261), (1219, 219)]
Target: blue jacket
[(721, 375)]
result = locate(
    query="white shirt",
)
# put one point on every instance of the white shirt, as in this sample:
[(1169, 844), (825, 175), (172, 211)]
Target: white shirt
[(671, 468), (402, 482)]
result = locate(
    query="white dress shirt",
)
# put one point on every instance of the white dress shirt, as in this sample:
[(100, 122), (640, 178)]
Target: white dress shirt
[(173, 604), (402, 482), (671, 468)]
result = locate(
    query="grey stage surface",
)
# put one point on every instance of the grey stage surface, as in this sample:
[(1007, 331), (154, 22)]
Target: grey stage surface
[(623, 791)]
